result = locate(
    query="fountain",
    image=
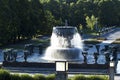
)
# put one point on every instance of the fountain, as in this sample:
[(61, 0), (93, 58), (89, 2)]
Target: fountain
[(66, 44)]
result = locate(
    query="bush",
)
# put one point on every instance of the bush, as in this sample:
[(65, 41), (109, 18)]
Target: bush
[(69, 78), (50, 77), (4, 75), (98, 78), (15, 77), (39, 77), (79, 77), (26, 77), (95, 78)]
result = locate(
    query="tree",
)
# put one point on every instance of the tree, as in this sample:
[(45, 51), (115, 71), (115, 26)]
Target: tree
[(91, 21), (50, 22), (7, 27), (77, 14), (108, 13)]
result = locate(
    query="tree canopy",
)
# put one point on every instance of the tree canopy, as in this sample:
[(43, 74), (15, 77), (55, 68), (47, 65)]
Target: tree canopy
[(23, 19)]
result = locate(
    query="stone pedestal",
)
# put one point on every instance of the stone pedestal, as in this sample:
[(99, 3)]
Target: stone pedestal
[(26, 53), (40, 48), (1, 63), (61, 76), (29, 47), (111, 73)]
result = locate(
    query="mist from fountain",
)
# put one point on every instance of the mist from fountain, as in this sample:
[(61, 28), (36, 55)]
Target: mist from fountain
[(64, 40), (66, 44)]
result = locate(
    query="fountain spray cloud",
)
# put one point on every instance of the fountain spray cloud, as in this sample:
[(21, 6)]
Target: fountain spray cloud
[(66, 44)]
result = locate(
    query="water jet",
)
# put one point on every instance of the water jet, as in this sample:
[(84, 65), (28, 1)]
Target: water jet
[(66, 44)]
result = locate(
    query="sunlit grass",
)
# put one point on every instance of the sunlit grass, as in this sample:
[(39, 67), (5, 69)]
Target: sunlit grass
[(92, 41), (20, 45)]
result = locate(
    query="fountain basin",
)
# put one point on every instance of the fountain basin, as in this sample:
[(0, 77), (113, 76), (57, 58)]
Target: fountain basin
[(69, 54), (66, 44)]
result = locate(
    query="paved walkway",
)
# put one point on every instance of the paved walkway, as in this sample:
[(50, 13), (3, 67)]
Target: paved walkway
[(111, 37), (117, 77), (115, 34)]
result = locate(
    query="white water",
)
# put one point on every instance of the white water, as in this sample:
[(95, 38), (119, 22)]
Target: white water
[(66, 44), (62, 42), (77, 41)]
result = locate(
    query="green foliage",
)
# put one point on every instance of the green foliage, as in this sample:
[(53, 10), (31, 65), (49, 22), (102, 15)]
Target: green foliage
[(101, 38), (80, 27), (24, 19), (50, 77), (15, 77), (79, 77), (91, 21), (82, 77), (93, 41), (26, 77), (69, 78), (109, 9), (4, 75), (39, 77), (98, 78)]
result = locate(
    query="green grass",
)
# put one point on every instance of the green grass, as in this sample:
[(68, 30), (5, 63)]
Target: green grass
[(92, 41), (117, 41), (38, 41), (20, 45)]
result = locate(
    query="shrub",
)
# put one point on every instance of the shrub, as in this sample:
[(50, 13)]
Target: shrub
[(98, 78), (69, 78), (15, 77), (79, 77), (4, 75), (50, 77), (39, 77), (26, 77)]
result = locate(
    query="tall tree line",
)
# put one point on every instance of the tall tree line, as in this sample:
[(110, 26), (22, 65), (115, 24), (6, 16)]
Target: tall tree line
[(23, 19), (75, 11)]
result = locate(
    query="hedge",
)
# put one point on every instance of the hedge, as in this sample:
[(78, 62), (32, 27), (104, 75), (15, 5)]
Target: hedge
[(5, 75), (90, 77)]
